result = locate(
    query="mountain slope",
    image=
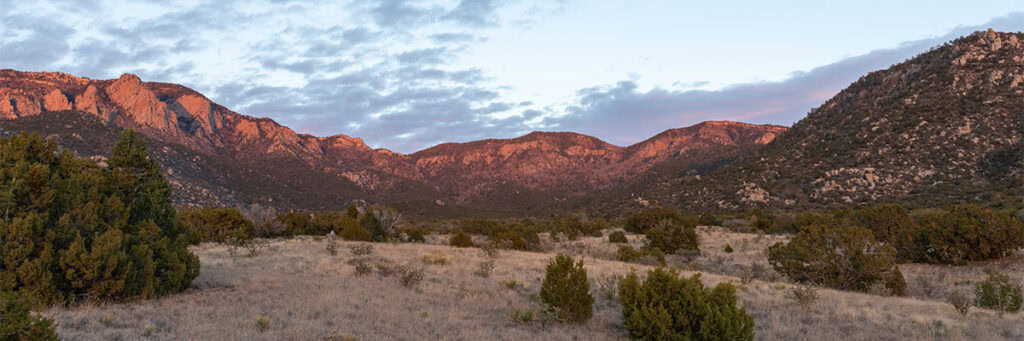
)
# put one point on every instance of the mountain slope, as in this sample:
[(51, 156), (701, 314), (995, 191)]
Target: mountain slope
[(944, 126), (230, 159)]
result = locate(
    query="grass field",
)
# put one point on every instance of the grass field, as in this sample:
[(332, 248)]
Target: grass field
[(294, 290)]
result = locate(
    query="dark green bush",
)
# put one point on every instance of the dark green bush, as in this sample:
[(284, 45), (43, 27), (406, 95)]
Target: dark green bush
[(838, 256), (964, 233), (370, 222), (669, 307), (216, 224), (296, 223), (617, 237), (999, 293), (517, 240), (461, 239), (18, 323), (888, 222), (670, 236), (790, 224), (642, 221), (325, 222), (628, 254), (352, 211), (728, 248), (415, 236), (708, 219), (72, 230), (765, 220), (351, 230), (566, 290)]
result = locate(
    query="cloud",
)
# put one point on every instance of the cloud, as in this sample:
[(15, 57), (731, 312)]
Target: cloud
[(388, 71), (623, 114)]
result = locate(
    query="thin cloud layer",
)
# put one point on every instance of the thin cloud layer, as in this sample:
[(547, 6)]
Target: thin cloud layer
[(622, 114), (388, 71)]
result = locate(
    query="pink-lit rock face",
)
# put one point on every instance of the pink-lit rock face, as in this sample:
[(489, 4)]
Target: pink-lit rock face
[(141, 104), (56, 101), (563, 164)]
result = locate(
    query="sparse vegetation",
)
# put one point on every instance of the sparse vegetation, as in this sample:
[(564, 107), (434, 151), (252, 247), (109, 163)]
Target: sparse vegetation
[(484, 269), (566, 290), (436, 258), (361, 249)]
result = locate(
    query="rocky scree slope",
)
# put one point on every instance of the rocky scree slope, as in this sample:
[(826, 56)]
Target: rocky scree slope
[(945, 126)]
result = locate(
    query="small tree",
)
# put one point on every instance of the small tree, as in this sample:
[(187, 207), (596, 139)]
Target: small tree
[(75, 230), (353, 231), (840, 257), (18, 323), (668, 307), (566, 290), (640, 222), (670, 236), (965, 233), (461, 239), (352, 211), (617, 237), (217, 224), (370, 222), (999, 293)]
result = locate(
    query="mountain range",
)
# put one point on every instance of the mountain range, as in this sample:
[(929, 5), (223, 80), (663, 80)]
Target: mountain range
[(945, 126), (217, 157)]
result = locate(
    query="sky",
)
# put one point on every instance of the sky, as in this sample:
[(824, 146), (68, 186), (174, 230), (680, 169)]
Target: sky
[(407, 75)]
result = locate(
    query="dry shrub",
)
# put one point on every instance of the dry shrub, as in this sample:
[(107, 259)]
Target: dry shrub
[(960, 301), (485, 269), (928, 287), (332, 245), (385, 269), (521, 315), (409, 276), (361, 249), (490, 250), (803, 295), (262, 323), (255, 247), (607, 286), (362, 266), (436, 258)]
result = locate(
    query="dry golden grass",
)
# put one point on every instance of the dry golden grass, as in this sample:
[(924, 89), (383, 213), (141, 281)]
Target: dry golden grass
[(294, 290)]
